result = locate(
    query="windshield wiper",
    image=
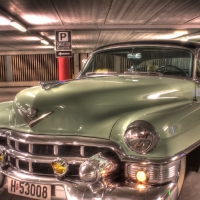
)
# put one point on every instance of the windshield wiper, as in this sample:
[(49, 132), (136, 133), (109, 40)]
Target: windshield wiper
[(96, 74)]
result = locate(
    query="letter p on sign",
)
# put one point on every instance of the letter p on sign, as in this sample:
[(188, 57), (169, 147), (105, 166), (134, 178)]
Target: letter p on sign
[(63, 36)]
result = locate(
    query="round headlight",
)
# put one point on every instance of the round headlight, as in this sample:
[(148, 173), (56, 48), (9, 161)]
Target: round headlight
[(141, 136)]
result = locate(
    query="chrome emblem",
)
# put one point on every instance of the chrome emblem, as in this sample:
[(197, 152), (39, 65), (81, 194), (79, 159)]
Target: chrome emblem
[(30, 115), (46, 85), (32, 112)]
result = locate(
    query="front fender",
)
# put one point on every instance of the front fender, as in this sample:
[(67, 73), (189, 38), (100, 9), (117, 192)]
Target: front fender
[(5, 109), (177, 125)]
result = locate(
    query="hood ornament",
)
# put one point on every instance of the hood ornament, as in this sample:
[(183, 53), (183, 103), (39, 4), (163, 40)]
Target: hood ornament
[(30, 115), (46, 85)]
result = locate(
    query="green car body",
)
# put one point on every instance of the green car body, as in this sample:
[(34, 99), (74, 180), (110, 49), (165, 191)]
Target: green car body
[(108, 106), (102, 106)]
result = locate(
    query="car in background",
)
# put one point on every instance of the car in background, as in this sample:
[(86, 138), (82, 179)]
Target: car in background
[(122, 130)]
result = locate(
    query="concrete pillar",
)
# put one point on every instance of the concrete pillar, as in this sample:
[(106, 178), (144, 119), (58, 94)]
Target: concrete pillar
[(64, 68), (9, 77), (76, 65), (83, 58)]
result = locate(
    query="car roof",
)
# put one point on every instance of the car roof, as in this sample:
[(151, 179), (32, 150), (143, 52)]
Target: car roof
[(180, 43)]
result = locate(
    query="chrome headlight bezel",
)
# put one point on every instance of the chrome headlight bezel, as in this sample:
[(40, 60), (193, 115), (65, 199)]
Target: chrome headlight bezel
[(141, 137)]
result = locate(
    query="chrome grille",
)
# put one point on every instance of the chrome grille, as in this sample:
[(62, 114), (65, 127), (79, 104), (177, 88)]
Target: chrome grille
[(35, 156), (52, 150), (3, 141), (157, 174)]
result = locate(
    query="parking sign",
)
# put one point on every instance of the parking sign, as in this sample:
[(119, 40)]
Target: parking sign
[(62, 36), (63, 40)]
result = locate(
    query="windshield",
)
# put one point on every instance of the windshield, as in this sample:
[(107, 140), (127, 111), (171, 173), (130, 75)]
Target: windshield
[(168, 61)]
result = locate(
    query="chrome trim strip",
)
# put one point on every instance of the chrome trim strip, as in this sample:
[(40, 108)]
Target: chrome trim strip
[(27, 120), (79, 190), (84, 141), (33, 122), (17, 163), (64, 140), (30, 148), (141, 45), (82, 151), (55, 150), (16, 145), (166, 160), (8, 141), (41, 159), (16, 174), (30, 167)]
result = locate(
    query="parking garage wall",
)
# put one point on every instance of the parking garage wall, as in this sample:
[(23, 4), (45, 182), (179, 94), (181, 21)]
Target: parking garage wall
[(33, 67), (42, 67), (2, 68)]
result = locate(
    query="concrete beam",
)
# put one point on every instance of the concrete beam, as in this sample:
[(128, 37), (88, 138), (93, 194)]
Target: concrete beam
[(26, 52), (116, 27), (41, 52), (108, 27)]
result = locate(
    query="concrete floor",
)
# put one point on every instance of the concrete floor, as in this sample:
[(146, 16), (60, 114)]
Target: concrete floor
[(191, 186), (8, 93)]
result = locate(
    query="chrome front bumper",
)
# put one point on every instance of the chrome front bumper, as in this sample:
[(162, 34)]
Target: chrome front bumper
[(77, 190)]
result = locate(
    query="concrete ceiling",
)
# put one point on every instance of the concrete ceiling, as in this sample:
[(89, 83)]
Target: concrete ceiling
[(95, 22)]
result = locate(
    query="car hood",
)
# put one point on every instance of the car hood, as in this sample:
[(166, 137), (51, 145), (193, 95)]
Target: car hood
[(90, 107)]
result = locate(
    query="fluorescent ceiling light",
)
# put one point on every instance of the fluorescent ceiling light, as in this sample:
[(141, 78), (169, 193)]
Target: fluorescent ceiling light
[(34, 19), (52, 37), (4, 21), (168, 36), (184, 39), (173, 35), (179, 33), (193, 37), (44, 41), (18, 26)]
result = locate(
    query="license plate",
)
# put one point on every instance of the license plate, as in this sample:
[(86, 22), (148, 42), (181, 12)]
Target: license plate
[(32, 190)]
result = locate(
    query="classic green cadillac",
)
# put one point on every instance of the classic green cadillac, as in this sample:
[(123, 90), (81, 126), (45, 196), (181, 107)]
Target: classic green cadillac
[(122, 130)]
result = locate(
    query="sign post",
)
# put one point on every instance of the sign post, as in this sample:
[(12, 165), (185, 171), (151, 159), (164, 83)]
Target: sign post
[(63, 43), (63, 51)]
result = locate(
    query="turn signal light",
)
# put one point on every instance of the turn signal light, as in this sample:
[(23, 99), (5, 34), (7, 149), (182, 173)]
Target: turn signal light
[(141, 176), (1, 158), (60, 166)]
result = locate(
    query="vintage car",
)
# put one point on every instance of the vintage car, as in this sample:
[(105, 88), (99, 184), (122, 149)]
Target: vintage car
[(126, 128)]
